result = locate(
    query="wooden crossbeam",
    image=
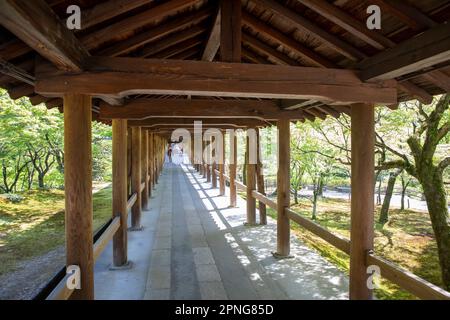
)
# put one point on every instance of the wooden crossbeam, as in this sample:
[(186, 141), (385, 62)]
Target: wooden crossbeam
[(140, 109), (180, 122), (124, 76), (425, 50)]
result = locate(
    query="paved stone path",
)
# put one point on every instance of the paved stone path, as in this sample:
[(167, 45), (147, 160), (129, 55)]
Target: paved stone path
[(195, 247)]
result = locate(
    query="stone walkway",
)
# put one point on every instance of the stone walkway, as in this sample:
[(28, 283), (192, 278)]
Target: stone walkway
[(195, 247)]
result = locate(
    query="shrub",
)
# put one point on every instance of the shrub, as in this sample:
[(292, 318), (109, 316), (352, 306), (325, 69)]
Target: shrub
[(14, 198)]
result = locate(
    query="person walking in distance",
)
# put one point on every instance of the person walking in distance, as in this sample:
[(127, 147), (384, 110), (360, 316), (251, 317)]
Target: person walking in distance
[(169, 154)]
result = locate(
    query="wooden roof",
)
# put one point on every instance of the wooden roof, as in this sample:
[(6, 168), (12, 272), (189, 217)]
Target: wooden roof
[(309, 33)]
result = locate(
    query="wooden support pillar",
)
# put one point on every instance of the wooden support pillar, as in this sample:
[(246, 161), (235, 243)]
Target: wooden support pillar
[(362, 199), (251, 183), (213, 164), (136, 210), (233, 165), (150, 163), (129, 161), (191, 142), (283, 189), (157, 151), (120, 192), (78, 190), (230, 51), (222, 168), (144, 167), (260, 181)]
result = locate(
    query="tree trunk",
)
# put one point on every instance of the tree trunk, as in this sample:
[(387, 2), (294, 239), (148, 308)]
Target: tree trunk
[(379, 192), (404, 187), (314, 211), (435, 196), (41, 184), (384, 214)]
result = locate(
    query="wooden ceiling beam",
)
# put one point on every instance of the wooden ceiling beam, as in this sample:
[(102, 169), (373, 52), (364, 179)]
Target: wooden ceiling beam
[(425, 50), (252, 57), (439, 78), (178, 48), (310, 28), (282, 39), (154, 34), (273, 54), (187, 54), (415, 91), (108, 10), (128, 25), (411, 16), (348, 23), (180, 122), (37, 25), (124, 76), (140, 109), (213, 42), (170, 41)]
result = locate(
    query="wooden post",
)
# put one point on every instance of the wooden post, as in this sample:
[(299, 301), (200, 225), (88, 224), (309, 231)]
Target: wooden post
[(362, 199), (214, 164), (78, 190), (136, 177), (157, 151), (208, 161), (222, 168), (150, 163), (191, 142), (260, 181), (251, 184), (120, 192), (230, 51), (233, 165), (231, 26), (144, 166), (283, 189), (129, 161)]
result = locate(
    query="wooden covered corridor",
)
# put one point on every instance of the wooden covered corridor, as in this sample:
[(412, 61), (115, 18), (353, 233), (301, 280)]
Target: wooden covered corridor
[(150, 67)]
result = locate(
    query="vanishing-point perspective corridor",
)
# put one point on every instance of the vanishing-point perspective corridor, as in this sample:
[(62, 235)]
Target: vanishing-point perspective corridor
[(194, 246)]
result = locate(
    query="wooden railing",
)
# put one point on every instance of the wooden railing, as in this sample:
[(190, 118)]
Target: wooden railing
[(401, 277), (61, 291), (106, 236), (131, 201)]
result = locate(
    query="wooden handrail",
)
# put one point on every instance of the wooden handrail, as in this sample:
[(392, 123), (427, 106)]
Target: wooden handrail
[(106, 236), (142, 186), (264, 199), (61, 292), (339, 242), (240, 185), (403, 278), (131, 201), (407, 280)]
